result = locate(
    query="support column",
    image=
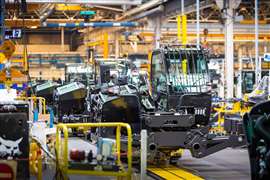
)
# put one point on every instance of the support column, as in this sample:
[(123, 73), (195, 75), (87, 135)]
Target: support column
[(143, 154), (2, 19), (62, 39), (239, 78), (198, 23), (157, 32), (117, 43), (257, 63), (229, 51), (105, 45)]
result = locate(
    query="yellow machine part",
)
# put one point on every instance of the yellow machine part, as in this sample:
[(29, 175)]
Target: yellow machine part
[(237, 108), (179, 152), (16, 76), (68, 7), (7, 48), (184, 66), (35, 162), (2, 58)]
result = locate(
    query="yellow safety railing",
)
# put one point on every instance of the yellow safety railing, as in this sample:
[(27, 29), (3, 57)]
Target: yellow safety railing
[(62, 149), (35, 101), (35, 162)]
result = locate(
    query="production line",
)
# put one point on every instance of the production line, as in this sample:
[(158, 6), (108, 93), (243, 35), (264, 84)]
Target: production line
[(124, 90)]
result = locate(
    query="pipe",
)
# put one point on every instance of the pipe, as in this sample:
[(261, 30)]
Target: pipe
[(182, 7), (158, 9), (47, 13), (44, 8), (142, 8), (109, 8), (94, 24)]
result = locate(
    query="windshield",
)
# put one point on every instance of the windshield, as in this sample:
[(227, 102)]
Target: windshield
[(187, 70)]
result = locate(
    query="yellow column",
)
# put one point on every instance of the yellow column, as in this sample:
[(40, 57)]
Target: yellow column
[(105, 45), (25, 58), (184, 29), (179, 35)]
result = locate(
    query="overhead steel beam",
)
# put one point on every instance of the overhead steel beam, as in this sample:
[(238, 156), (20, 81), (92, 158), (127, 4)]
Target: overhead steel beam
[(36, 22), (148, 5), (91, 24), (94, 2), (151, 12), (174, 7), (219, 28), (169, 8)]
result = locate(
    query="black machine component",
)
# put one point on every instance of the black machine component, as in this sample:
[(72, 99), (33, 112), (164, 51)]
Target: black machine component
[(14, 138), (171, 131), (109, 71), (70, 102), (198, 104), (257, 128), (124, 108), (82, 73), (46, 90), (233, 123), (181, 94)]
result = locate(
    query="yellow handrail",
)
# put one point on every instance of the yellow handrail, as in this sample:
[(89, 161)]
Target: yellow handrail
[(64, 152), (34, 99)]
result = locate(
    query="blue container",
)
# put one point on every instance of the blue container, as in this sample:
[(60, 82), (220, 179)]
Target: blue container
[(51, 116), (14, 86), (2, 66), (35, 115)]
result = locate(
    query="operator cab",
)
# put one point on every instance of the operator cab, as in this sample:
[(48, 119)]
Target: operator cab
[(180, 81)]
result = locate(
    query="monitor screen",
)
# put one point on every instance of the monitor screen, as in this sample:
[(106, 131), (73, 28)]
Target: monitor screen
[(13, 34)]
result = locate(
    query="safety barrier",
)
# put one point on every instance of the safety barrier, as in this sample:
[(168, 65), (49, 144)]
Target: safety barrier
[(62, 149), (36, 102)]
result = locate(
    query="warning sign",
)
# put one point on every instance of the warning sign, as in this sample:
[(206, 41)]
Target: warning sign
[(8, 170)]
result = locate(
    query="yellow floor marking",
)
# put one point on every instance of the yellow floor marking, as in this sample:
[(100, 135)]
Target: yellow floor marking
[(173, 173), (163, 174)]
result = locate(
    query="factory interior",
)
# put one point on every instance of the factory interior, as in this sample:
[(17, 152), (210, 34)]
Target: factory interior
[(135, 89)]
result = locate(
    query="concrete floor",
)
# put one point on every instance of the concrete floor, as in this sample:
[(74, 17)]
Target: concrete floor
[(228, 164)]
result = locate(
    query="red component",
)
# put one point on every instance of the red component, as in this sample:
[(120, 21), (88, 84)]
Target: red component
[(77, 155), (6, 172)]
